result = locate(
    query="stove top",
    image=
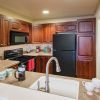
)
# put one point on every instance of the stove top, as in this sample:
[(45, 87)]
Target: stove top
[(16, 54)]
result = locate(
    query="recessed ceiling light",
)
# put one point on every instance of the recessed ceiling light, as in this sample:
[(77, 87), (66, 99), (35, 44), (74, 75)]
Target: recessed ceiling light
[(45, 12)]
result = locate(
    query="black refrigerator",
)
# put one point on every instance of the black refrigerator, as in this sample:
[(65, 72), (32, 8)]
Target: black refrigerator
[(64, 49)]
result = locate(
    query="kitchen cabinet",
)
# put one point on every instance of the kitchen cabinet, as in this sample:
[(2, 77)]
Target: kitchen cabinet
[(66, 27), (86, 26), (4, 31), (37, 34), (59, 27), (43, 33), (41, 62), (48, 31), (86, 50), (19, 25), (30, 33), (38, 65)]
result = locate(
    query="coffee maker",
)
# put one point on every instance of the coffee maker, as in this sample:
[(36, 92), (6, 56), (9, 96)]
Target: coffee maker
[(20, 73)]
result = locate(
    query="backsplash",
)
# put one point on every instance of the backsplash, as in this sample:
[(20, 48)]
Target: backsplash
[(26, 48), (38, 47)]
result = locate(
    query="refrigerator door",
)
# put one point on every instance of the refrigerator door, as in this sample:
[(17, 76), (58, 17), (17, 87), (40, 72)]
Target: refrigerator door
[(67, 63), (64, 42)]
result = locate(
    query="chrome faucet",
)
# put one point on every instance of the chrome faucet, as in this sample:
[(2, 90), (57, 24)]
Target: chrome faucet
[(47, 72)]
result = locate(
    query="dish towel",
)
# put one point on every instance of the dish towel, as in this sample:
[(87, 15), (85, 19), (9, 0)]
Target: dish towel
[(30, 65)]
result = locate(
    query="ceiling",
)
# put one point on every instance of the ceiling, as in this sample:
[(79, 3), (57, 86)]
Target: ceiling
[(32, 9)]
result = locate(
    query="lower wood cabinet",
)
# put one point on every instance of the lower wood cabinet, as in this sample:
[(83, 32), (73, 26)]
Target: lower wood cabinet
[(41, 62), (38, 65), (86, 68)]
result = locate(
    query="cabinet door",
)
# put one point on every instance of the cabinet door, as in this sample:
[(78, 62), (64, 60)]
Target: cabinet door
[(66, 27), (86, 56), (86, 68), (1, 34), (19, 25), (60, 27), (44, 62), (4, 31), (48, 31), (86, 26), (24, 26), (70, 26), (37, 34), (30, 33), (41, 62), (38, 62)]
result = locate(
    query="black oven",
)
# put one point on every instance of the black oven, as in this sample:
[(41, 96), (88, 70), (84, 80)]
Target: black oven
[(17, 37)]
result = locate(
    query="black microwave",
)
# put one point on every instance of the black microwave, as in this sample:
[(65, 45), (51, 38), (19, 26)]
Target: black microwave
[(17, 37)]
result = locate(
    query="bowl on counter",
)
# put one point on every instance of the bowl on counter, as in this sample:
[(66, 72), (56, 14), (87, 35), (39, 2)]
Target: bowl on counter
[(9, 72)]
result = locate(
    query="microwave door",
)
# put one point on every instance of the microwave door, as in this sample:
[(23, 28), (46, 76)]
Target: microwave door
[(18, 37)]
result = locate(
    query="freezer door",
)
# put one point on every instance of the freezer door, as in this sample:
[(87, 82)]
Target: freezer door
[(64, 42), (67, 61)]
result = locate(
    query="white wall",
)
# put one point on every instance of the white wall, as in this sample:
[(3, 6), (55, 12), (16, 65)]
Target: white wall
[(98, 43), (11, 14)]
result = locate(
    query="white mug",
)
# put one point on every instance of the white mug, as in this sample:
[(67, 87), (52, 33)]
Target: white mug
[(89, 87), (96, 83)]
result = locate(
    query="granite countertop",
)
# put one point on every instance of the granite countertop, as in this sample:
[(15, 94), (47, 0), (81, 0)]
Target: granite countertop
[(31, 77), (7, 63), (38, 54)]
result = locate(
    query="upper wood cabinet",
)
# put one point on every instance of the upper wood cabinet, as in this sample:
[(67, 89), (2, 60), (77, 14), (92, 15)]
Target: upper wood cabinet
[(48, 31), (86, 25), (4, 31), (43, 33), (37, 34), (66, 26), (19, 25), (59, 27)]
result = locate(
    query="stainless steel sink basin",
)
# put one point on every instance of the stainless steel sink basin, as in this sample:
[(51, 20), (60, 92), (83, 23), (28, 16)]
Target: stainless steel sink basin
[(59, 86)]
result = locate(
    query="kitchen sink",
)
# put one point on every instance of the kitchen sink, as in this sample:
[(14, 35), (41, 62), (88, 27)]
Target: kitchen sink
[(58, 86)]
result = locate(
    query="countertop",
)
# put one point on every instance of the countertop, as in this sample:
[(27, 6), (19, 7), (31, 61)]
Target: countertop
[(33, 76), (7, 63), (38, 54), (19, 93)]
